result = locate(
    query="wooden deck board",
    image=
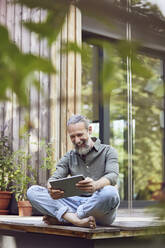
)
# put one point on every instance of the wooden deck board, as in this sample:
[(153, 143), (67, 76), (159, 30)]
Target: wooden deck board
[(125, 226)]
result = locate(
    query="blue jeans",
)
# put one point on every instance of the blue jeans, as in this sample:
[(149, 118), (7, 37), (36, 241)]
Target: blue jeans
[(102, 204)]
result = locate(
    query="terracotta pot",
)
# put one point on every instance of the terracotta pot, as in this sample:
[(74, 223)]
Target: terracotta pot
[(24, 208), (5, 197)]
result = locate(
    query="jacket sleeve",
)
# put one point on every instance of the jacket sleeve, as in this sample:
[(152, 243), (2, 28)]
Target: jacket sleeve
[(111, 166), (62, 168)]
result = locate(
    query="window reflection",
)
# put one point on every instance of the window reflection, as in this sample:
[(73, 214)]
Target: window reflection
[(90, 94), (148, 133), (147, 121)]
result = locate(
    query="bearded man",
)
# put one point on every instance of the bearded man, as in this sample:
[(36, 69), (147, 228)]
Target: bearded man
[(98, 163)]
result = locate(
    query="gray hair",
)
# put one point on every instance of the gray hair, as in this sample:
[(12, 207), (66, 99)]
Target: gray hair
[(78, 118)]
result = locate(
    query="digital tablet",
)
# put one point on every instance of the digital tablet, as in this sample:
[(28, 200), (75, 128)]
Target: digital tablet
[(68, 185)]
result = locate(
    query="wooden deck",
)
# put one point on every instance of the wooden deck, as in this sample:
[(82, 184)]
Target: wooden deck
[(127, 225)]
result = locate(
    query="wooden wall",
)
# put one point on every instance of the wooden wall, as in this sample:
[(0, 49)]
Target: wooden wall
[(48, 111)]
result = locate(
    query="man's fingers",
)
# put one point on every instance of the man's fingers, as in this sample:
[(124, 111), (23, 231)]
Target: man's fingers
[(87, 188), (84, 186), (56, 193), (85, 181)]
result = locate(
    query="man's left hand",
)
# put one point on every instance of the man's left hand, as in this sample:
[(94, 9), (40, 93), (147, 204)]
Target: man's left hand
[(87, 185)]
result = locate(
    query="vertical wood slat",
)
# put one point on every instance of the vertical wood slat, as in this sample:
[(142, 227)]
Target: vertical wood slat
[(78, 27), (71, 63), (71, 105), (64, 73), (44, 108), (16, 108), (18, 26), (25, 46), (34, 98), (3, 12), (55, 100), (3, 22), (8, 108)]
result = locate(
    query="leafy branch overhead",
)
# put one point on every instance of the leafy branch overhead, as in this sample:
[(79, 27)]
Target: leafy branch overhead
[(56, 14), (18, 69), (52, 25)]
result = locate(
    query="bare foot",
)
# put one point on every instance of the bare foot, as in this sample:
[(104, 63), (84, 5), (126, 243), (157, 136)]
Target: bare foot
[(51, 220), (87, 222), (75, 220)]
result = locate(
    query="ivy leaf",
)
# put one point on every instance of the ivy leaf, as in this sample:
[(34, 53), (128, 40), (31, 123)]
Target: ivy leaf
[(56, 14), (17, 70)]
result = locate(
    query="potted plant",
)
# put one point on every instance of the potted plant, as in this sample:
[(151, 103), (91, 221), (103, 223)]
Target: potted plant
[(24, 176), (6, 173)]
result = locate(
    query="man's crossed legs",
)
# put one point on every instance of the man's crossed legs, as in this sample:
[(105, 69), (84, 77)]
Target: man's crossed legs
[(100, 208)]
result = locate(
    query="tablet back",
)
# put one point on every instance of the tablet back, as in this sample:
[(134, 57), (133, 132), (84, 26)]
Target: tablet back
[(68, 185)]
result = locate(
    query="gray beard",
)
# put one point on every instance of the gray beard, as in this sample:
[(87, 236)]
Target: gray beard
[(83, 150)]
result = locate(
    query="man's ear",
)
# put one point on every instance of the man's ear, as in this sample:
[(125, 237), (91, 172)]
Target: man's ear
[(90, 129)]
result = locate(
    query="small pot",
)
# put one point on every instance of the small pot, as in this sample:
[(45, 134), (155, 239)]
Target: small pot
[(24, 208), (5, 197)]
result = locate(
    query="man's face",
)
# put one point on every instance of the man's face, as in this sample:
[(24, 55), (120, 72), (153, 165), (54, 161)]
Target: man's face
[(80, 137)]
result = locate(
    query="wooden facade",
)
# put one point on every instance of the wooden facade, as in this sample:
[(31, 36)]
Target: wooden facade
[(60, 95)]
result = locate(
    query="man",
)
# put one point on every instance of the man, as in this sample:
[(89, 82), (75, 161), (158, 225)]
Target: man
[(98, 163)]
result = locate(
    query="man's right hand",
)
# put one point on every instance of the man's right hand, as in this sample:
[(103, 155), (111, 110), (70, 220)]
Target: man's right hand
[(56, 193)]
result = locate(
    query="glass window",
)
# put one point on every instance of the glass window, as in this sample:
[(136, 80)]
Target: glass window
[(90, 94), (148, 108), (133, 120)]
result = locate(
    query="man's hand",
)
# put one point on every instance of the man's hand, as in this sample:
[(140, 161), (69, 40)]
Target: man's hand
[(87, 185), (55, 193)]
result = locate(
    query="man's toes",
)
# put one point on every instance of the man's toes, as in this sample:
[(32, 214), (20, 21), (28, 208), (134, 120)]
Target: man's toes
[(92, 222), (92, 219), (92, 225), (44, 218)]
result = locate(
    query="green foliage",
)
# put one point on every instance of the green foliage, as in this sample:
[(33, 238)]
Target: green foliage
[(130, 49), (6, 165), (47, 161), (17, 70), (87, 86), (54, 21), (147, 93), (84, 50), (24, 175), (16, 172), (110, 76), (51, 27)]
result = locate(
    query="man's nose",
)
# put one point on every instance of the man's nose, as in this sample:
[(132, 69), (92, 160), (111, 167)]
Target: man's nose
[(77, 140)]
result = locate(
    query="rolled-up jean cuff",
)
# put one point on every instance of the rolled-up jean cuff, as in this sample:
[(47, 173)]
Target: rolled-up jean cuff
[(80, 212), (61, 212)]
